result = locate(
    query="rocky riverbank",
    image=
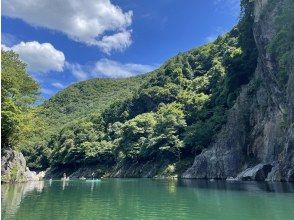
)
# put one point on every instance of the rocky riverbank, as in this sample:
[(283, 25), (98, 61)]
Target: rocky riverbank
[(14, 169)]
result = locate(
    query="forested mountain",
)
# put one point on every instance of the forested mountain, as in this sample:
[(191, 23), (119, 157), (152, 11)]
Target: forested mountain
[(172, 117), (208, 102), (87, 98), (77, 102)]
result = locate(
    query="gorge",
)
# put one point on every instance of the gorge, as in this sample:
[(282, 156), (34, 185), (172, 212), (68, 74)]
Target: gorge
[(224, 110)]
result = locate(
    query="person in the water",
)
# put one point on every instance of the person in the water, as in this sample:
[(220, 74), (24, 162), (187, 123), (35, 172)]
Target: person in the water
[(64, 177)]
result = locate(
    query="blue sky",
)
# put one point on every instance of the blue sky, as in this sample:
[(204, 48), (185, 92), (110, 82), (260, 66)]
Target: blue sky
[(67, 41)]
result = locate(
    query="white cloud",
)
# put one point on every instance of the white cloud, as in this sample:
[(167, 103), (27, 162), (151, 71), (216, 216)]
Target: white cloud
[(93, 22), (106, 68), (4, 47), (118, 41), (58, 85), (39, 57), (114, 69), (78, 71)]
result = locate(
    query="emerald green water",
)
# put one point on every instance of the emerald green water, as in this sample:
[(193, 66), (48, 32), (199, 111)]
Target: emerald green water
[(147, 199)]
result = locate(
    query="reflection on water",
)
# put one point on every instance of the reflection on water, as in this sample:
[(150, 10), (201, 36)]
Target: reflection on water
[(148, 199), (11, 195), (278, 187), (64, 184), (172, 185)]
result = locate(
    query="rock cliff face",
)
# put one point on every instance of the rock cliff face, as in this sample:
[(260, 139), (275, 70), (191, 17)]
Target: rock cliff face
[(258, 138), (14, 169)]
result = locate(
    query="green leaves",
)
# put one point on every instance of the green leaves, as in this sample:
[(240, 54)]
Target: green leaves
[(153, 134), (18, 92), (135, 135)]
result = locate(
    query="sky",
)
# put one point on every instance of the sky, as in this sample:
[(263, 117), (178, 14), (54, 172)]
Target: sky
[(67, 41)]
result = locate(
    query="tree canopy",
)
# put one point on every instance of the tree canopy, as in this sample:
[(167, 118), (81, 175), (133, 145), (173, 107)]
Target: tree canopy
[(19, 91)]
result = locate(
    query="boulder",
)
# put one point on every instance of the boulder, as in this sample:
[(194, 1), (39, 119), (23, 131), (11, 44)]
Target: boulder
[(258, 172), (14, 169)]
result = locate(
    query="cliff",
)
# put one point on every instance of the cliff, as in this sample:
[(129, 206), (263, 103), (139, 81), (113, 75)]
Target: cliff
[(257, 142)]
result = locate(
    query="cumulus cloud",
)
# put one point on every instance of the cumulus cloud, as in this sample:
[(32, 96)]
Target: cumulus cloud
[(118, 41), (106, 68), (40, 57), (93, 22), (4, 47)]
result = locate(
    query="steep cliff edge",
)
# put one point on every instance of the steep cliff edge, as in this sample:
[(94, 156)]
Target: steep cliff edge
[(258, 137)]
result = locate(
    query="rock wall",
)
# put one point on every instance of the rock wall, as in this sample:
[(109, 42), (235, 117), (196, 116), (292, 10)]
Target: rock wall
[(14, 169), (259, 132)]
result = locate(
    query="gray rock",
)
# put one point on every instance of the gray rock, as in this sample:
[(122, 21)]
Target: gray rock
[(258, 172), (260, 126), (14, 169)]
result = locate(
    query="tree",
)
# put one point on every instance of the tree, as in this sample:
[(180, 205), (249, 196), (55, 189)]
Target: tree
[(19, 92), (135, 136), (171, 123)]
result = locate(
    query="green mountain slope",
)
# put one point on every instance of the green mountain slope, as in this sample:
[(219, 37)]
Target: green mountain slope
[(175, 114), (78, 101), (88, 97)]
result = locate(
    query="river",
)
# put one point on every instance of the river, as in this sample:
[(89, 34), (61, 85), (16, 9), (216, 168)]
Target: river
[(147, 199)]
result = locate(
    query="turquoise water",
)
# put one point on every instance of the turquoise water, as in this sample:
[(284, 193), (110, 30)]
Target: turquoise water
[(147, 199)]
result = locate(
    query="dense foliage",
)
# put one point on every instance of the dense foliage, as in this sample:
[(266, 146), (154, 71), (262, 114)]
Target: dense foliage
[(18, 93), (70, 108), (87, 97)]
